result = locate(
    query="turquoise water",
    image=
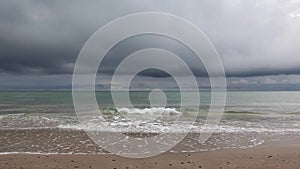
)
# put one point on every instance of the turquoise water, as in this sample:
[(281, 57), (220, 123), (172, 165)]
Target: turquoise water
[(278, 102), (257, 110), (250, 118)]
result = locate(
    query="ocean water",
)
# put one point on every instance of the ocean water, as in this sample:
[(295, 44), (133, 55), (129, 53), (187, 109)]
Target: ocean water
[(250, 118)]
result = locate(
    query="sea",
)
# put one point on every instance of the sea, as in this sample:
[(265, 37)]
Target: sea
[(46, 122)]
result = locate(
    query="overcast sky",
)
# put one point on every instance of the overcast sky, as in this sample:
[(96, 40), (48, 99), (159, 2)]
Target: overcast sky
[(258, 41)]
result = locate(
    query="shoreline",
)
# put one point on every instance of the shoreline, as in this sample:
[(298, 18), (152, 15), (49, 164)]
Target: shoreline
[(65, 141), (266, 156)]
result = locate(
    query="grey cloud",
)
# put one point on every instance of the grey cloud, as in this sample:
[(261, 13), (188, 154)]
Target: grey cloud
[(253, 38)]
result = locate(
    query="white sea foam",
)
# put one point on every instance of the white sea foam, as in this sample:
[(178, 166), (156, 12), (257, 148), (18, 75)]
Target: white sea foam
[(141, 123), (150, 111), (140, 126)]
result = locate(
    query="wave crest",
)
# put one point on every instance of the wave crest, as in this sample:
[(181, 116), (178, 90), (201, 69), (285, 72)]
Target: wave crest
[(150, 111)]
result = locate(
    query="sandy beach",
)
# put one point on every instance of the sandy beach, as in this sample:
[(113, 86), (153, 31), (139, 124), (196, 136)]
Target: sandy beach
[(266, 156)]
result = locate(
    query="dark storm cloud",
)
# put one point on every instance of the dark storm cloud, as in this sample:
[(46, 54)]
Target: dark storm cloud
[(254, 38), (45, 37), (135, 43)]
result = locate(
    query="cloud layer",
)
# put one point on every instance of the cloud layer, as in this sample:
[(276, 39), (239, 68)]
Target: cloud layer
[(253, 38)]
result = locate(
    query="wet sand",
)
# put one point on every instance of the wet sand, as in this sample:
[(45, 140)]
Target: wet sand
[(64, 141), (74, 149), (266, 156)]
